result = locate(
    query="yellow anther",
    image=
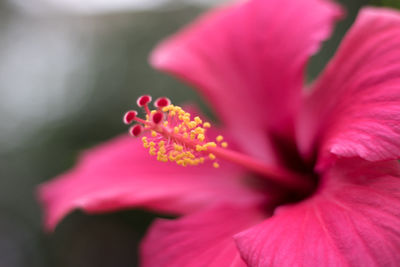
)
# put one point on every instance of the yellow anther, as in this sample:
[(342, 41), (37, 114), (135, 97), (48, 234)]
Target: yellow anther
[(172, 113), (165, 123), (219, 138), (199, 148), (198, 120), (212, 144), (185, 135), (192, 135), (206, 125), (152, 144), (211, 156), (178, 147), (201, 137), (180, 156), (190, 155), (215, 165), (176, 130), (224, 144), (145, 143), (153, 133), (191, 124), (199, 130)]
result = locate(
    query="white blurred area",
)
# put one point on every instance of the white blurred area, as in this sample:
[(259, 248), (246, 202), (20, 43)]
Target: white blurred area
[(103, 6), (44, 59)]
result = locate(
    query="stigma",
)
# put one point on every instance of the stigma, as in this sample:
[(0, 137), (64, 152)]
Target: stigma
[(173, 135)]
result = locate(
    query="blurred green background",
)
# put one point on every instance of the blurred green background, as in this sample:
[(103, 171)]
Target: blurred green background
[(66, 78)]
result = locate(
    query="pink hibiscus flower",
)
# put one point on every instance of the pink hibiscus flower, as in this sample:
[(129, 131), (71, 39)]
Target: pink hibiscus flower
[(330, 150)]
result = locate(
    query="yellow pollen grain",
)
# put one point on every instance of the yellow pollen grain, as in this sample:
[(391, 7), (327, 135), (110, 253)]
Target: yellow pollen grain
[(198, 120), (224, 144), (145, 143), (215, 165), (212, 144), (178, 148), (153, 133), (211, 156), (219, 138), (199, 130), (206, 125), (176, 129), (191, 124), (201, 137)]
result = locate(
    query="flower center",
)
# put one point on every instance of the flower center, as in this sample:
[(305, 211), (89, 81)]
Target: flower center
[(173, 135)]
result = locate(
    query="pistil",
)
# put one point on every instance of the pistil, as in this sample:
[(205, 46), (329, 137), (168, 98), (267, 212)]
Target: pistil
[(176, 137)]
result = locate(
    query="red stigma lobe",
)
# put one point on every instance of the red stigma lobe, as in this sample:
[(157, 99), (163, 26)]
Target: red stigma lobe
[(129, 116), (143, 100), (136, 130), (162, 102), (157, 117)]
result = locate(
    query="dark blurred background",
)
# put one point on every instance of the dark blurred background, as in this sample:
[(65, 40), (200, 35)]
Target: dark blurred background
[(68, 71)]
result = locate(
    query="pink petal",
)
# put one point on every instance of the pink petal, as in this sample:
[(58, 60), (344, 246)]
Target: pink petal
[(355, 108), (201, 239), (121, 174), (354, 220), (248, 59)]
